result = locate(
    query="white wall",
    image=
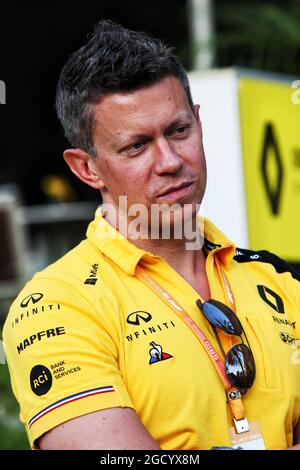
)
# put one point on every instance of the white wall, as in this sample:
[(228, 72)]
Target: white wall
[(224, 203)]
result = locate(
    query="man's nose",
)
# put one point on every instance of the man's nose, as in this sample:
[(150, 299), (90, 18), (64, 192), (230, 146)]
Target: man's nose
[(166, 159)]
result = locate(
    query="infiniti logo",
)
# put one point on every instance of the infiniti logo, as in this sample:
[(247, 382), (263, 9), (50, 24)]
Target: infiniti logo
[(33, 298), (135, 318)]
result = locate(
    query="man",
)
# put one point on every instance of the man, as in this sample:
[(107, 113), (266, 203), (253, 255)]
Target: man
[(113, 346)]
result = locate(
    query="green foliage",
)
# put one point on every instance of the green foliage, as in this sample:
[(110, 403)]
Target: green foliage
[(12, 432), (259, 35)]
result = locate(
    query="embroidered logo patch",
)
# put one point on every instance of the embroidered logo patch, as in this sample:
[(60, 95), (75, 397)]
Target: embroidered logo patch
[(271, 298), (287, 338), (157, 354)]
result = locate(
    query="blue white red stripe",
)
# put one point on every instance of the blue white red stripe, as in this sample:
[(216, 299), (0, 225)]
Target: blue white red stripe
[(70, 399)]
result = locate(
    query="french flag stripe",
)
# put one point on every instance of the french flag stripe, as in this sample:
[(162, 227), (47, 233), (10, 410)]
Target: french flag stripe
[(69, 399)]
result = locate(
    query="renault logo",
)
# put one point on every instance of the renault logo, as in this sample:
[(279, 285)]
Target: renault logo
[(135, 318), (33, 298), (271, 298), (271, 156)]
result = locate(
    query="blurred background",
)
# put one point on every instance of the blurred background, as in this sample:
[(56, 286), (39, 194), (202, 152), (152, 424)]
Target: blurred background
[(244, 64)]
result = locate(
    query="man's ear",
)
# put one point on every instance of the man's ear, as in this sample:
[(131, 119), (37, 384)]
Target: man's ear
[(196, 112), (84, 167)]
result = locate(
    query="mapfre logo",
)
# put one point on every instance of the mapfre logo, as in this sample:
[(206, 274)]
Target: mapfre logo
[(40, 380), (32, 298), (92, 279), (138, 317)]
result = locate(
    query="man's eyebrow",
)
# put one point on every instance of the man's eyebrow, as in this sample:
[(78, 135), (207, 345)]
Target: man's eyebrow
[(124, 141), (179, 120)]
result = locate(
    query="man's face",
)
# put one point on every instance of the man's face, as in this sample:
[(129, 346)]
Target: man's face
[(149, 145)]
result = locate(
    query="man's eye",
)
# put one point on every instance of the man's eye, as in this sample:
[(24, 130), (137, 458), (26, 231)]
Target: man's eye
[(134, 149), (180, 130), (136, 146)]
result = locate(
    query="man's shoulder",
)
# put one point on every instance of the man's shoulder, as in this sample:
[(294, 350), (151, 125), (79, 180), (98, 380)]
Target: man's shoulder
[(265, 260), (74, 267), (67, 281), (72, 270), (261, 260)]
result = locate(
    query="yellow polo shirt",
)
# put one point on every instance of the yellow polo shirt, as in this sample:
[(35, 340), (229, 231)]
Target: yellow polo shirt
[(85, 335)]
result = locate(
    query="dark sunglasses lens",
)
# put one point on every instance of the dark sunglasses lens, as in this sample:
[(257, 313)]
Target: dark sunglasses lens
[(240, 366), (221, 316)]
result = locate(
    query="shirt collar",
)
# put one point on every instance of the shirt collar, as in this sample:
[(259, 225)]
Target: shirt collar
[(114, 245), (215, 241), (127, 255)]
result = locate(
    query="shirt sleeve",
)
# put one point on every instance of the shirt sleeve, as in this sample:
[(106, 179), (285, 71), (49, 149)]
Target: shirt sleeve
[(62, 354)]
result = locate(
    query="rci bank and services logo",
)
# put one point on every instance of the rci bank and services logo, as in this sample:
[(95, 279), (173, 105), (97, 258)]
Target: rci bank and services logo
[(40, 380)]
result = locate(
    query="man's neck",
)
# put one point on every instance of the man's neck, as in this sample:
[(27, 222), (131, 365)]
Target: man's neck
[(169, 247), (189, 263), (172, 250)]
